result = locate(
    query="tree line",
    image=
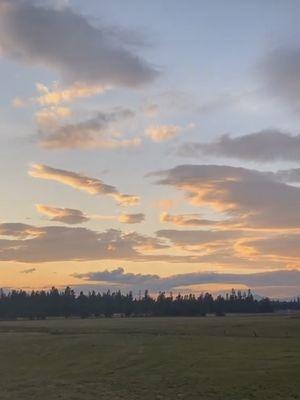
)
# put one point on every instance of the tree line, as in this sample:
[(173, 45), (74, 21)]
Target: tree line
[(66, 303)]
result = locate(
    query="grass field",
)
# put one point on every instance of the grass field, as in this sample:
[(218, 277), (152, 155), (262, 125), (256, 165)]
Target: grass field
[(155, 358)]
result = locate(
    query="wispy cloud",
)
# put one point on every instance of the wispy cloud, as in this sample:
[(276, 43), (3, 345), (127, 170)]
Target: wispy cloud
[(81, 182), (161, 133), (57, 95), (132, 218), (18, 102), (186, 219), (285, 246), (28, 271), (197, 238), (46, 117), (101, 131)]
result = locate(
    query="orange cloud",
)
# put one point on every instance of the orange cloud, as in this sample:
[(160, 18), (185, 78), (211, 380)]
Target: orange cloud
[(47, 117), (247, 198), (17, 102), (165, 204), (66, 215), (161, 133), (81, 182), (186, 219), (132, 218), (56, 95)]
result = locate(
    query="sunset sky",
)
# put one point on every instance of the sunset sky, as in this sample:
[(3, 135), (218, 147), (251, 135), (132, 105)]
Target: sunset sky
[(150, 144)]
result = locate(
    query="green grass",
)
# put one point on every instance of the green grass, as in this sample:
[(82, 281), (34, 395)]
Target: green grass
[(155, 358)]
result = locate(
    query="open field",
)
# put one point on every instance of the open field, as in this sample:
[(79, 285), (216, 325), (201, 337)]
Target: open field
[(155, 358)]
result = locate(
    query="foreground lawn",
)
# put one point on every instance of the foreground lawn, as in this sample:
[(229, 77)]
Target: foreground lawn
[(240, 357)]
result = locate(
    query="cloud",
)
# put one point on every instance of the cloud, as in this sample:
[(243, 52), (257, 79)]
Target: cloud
[(148, 243), (18, 102), (30, 244), (165, 204), (57, 95), (247, 198), (289, 175), (19, 230), (61, 39), (186, 219), (130, 281), (161, 133), (132, 218), (279, 71), (72, 216), (151, 110), (221, 101), (212, 247), (66, 215), (117, 275), (276, 246), (197, 238), (81, 182), (33, 244), (100, 131), (263, 146), (46, 116), (28, 271)]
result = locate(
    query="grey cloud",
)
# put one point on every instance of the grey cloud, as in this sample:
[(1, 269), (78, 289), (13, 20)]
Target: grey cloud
[(96, 132), (118, 275), (31, 244), (289, 175), (129, 281), (279, 71), (284, 245), (146, 242), (196, 237), (18, 230), (52, 243), (67, 42), (66, 215), (263, 146), (251, 199)]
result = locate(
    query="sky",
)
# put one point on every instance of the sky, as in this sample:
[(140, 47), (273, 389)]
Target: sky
[(150, 145)]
